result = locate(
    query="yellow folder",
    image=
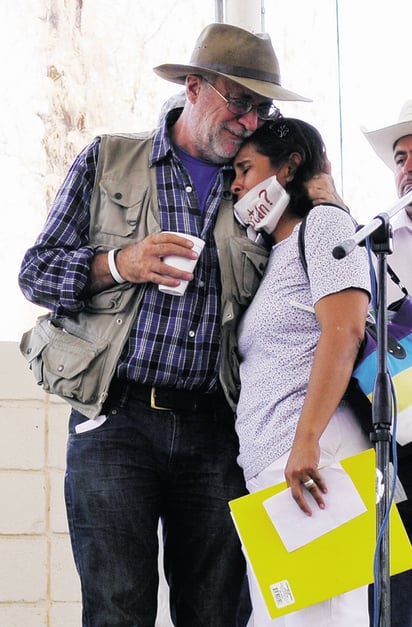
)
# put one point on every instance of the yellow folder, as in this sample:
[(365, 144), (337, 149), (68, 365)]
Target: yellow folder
[(336, 562)]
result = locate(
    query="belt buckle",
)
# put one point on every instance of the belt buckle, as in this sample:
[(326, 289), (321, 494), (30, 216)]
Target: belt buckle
[(153, 401)]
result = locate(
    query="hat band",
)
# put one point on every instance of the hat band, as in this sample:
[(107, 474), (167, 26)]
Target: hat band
[(242, 72)]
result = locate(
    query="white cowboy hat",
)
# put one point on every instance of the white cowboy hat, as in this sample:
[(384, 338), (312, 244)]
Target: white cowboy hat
[(383, 139), (244, 57)]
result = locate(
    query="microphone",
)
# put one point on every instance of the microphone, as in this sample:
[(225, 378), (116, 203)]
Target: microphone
[(344, 248)]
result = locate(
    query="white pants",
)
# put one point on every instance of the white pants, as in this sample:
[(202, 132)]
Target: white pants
[(342, 438)]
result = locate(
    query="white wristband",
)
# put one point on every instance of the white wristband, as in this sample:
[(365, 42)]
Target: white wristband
[(112, 266)]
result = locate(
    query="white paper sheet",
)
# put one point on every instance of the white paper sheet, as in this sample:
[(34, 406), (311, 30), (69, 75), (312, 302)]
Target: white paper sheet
[(89, 425), (342, 503)]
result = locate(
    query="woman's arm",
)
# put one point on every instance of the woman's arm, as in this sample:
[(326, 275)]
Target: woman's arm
[(341, 317)]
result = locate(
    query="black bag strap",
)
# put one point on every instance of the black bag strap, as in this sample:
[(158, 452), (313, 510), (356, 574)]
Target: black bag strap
[(396, 279), (301, 233), (301, 245)]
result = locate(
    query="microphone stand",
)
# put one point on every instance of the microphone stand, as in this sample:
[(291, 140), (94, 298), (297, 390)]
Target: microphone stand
[(380, 232)]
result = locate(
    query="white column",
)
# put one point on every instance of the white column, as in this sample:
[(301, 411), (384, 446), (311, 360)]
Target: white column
[(247, 14)]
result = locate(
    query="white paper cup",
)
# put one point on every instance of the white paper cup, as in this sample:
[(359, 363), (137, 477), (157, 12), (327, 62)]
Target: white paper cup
[(183, 263)]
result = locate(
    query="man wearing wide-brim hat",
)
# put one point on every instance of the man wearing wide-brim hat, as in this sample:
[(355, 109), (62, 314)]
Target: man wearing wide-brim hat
[(246, 58), (152, 430), (393, 144), (236, 74)]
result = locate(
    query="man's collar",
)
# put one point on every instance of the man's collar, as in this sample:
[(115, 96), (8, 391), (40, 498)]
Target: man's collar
[(402, 219), (162, 145)]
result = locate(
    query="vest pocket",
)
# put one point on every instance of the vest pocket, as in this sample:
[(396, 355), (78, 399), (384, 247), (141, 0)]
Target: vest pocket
[(110, 301), (60, 360), (121, 207), (253, 260)]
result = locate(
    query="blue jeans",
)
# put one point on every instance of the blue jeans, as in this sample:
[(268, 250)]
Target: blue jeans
[(139, 466)]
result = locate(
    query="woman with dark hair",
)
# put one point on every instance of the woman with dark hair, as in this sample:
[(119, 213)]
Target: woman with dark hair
[(299, 338)]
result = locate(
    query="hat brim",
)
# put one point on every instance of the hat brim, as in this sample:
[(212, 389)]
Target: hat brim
[(383, 139), (178, 73)]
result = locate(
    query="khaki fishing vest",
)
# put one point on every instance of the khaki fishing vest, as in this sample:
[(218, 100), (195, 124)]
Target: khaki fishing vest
[(75, 357)]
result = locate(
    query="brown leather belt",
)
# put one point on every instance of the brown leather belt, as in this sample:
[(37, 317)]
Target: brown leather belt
[(169, 399)]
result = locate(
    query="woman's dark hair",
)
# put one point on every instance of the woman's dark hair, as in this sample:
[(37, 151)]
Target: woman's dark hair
[(277, 140)]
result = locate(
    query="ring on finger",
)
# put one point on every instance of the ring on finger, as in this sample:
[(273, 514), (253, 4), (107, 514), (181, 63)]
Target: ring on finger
[(309, 484)]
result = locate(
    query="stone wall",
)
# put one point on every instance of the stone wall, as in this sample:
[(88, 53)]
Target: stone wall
[(38, 583), (39, 586), (71, 69)]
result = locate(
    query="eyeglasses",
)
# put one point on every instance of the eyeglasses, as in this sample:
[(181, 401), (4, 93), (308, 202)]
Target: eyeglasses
[(239, 107)]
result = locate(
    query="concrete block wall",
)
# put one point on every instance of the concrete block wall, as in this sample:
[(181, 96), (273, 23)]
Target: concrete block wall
[(39, 586)]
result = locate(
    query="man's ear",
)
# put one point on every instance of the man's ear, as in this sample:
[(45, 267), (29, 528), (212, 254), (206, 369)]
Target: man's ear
[(192, 87), (294, 161)]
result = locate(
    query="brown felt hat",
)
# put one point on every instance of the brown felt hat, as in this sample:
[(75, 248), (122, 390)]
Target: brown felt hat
[(244, 57)]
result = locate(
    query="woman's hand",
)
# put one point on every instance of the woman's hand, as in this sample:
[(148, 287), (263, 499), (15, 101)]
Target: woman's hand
[(302, 474), (341, 318)]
